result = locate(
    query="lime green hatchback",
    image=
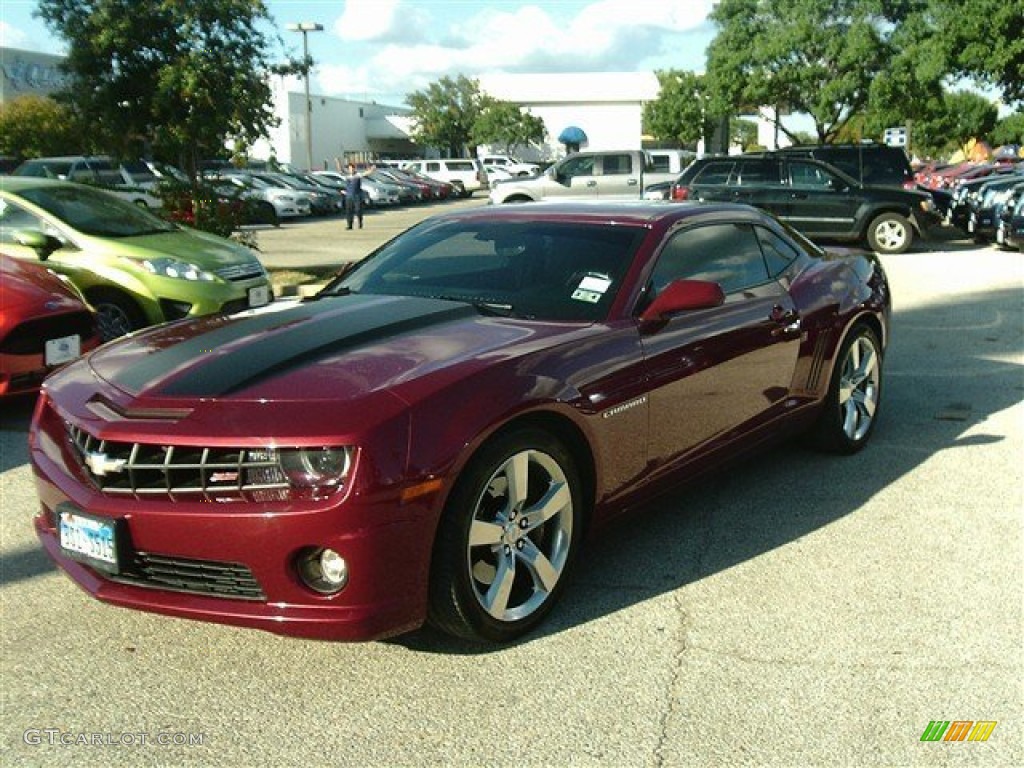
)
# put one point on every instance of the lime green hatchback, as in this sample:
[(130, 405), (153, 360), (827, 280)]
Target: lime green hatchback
[(133, 267)]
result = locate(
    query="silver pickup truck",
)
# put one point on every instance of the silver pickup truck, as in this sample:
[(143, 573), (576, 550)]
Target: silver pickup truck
[(621, 174)]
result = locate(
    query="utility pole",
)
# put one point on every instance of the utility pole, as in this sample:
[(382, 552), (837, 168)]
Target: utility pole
[(305, 27)]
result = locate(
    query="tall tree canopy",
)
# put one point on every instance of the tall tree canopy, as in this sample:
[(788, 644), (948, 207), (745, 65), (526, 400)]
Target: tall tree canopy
[(680, 113), (502, 123), (178, 77), (445, 112), (818, 57)]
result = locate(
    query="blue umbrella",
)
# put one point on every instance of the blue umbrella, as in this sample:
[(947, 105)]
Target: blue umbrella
[(572, 135)]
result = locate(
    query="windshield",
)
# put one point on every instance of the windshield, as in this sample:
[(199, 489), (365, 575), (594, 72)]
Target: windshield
[(556, 271), (94, 212)]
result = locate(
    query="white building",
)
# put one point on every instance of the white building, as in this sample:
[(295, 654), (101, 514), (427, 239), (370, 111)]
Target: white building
[(341, 129), (606, 106)]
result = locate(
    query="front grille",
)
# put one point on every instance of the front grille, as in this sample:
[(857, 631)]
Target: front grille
[(180, 473), (200, 577), (245, 271), (29, 337)]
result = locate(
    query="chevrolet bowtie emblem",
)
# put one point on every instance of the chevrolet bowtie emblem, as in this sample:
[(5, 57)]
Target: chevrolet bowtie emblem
[(100, 464)]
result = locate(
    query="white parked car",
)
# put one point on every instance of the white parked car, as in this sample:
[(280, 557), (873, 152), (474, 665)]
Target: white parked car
[(463, 173), (514, 166)]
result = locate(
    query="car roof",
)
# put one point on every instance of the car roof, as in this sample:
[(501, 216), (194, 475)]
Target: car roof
[(636, 212)]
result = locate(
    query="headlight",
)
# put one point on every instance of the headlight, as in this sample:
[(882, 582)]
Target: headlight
[(181, 270), (316, 467)]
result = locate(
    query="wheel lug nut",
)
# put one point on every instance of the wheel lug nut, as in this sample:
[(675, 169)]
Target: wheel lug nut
[(520, 544), (508, 549), (524, 523)]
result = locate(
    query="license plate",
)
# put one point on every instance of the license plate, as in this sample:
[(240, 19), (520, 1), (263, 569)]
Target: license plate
[(90, 540), (259, 296), (62, 350)]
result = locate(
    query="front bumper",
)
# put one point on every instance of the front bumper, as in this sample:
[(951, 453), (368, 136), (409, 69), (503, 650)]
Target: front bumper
[(236, 563)]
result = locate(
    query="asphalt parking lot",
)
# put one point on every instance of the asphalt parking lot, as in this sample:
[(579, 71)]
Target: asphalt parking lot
[(800, 610)]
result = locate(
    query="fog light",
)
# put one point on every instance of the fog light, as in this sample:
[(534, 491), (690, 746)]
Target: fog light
[(323, 570)]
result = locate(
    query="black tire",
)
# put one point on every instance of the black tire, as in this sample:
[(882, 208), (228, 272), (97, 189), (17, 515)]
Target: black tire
[(117, 313), (501, 563), (890, 233), (265, 213), (850, 410)]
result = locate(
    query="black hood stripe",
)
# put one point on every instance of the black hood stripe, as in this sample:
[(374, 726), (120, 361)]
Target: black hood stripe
[(295, 338)]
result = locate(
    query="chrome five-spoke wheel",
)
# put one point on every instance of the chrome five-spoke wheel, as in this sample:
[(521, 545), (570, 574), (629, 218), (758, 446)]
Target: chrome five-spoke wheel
[(520, 536), (858, 388), (850, 409), (508, 538)]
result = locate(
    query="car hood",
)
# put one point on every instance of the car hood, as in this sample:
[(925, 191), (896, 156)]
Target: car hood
[(25, 286), (204, 250), (336, 348)]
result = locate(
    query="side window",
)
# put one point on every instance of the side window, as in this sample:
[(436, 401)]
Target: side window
[(715, 173), (617, 165), (577, 166), (660, 163), (808, 175), (433, 167), (727, 254), (778, 253), (759, 172)]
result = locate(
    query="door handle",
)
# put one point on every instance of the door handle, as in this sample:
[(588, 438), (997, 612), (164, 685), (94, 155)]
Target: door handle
[(591, 183), (631, 182), (799, 195)]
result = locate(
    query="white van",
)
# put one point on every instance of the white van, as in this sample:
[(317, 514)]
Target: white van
[(465, 174)]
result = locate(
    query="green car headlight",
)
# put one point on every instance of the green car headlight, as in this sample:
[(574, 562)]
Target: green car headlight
[(175, 268)]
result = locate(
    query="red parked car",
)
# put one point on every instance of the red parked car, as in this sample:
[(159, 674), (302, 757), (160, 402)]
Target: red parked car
[(432, 436), (44, 323)]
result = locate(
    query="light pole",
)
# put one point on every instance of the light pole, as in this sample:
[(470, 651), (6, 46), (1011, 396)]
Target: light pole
[(305, 27)]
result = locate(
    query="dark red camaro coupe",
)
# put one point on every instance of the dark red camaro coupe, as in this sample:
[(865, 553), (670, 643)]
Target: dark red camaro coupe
[(432, 436)]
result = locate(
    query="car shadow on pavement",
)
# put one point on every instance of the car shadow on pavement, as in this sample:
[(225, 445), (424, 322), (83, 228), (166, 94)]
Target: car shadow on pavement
[(945, 375)]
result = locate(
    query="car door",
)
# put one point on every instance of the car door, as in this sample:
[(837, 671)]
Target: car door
[(620, 177), (819, 202), (576, 177), (714, 374)]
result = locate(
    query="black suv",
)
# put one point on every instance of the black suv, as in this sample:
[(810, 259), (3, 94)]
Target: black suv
[(876, 165), (814, 197)]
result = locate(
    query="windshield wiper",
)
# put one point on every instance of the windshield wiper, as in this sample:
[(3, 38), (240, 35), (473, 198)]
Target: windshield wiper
[(496, 308)]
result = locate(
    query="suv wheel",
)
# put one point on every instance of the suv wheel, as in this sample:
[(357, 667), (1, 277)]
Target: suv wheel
[(890, 233)]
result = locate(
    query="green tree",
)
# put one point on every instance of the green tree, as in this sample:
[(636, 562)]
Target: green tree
[(970, 116), (983, 39), (35, 126), (502, 123), (680, 113), (1009, 130), (818, 57), (177, 77), (445, 113)]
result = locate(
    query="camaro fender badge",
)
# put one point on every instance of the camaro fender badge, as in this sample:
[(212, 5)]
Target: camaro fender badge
[(637, 401), (100, 464)]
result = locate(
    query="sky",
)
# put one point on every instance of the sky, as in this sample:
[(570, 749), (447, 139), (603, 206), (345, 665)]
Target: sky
[(381, 50)]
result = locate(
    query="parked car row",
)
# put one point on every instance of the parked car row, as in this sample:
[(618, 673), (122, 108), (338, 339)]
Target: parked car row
[(985, 207), (136, 269)]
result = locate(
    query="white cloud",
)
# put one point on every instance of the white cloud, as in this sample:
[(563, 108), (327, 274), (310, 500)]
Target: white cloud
[(11, 37), (411, 50), (366, 19)]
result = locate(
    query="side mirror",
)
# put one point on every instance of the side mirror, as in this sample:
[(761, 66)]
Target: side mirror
[(39, 242), (680, 296)]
